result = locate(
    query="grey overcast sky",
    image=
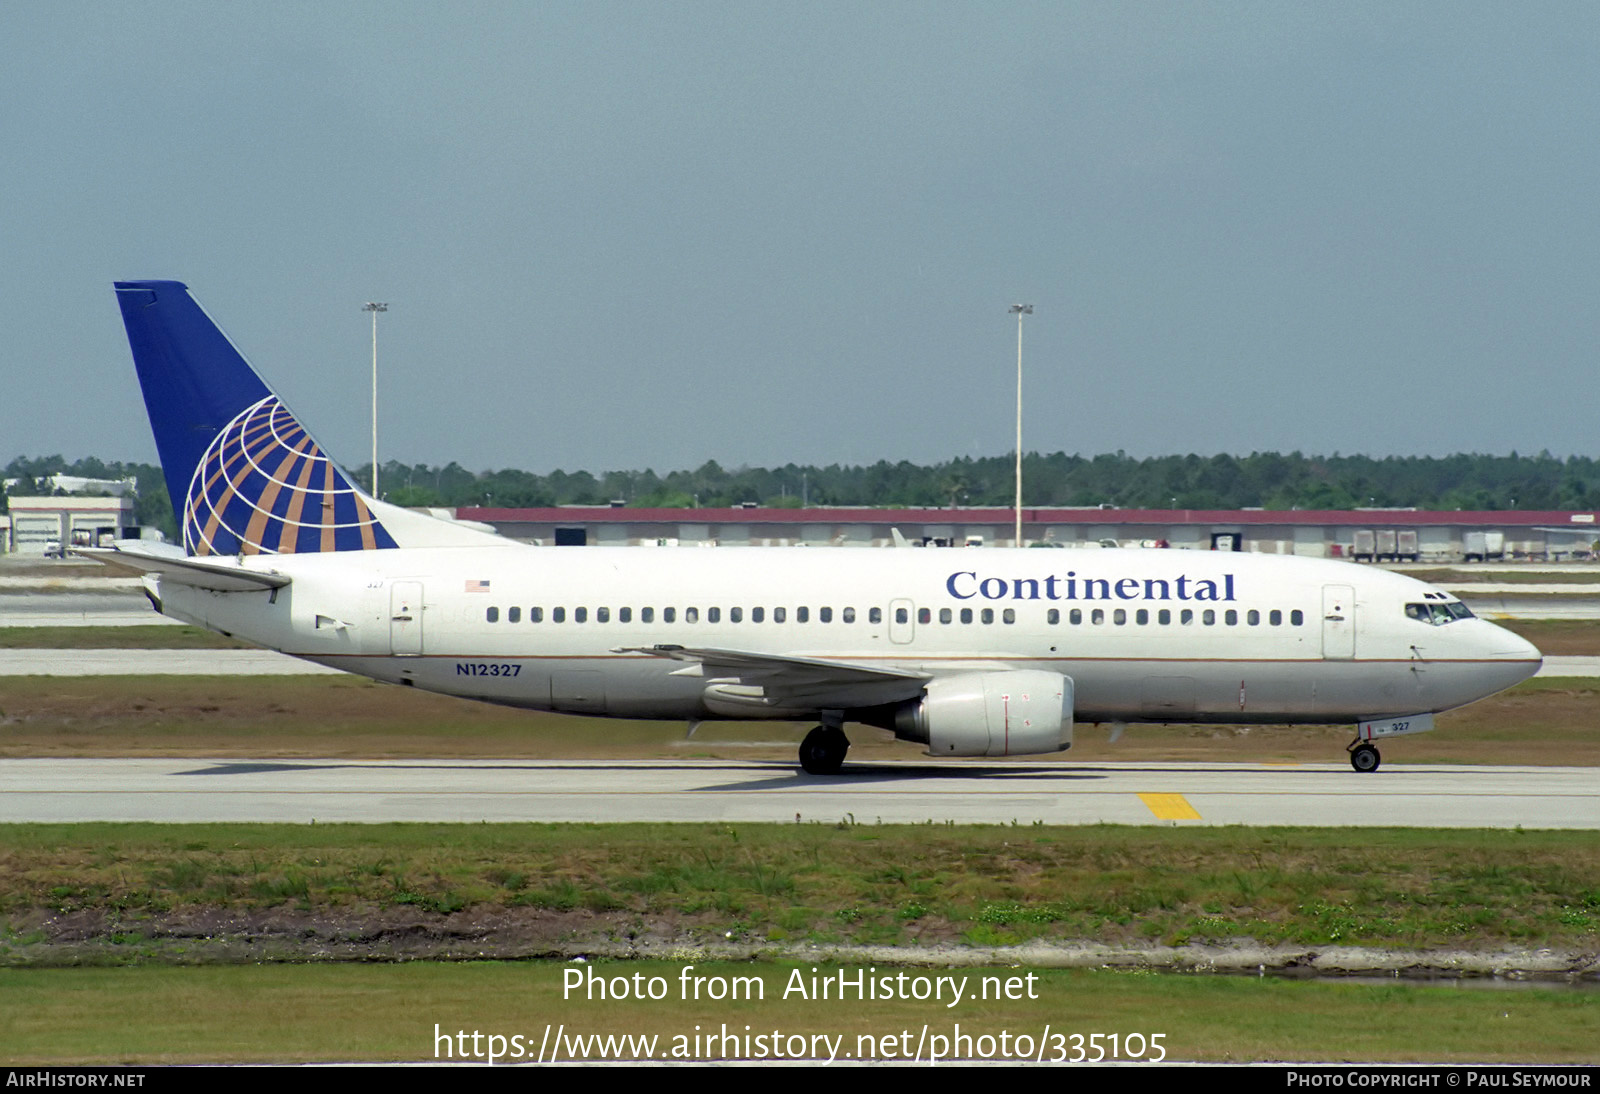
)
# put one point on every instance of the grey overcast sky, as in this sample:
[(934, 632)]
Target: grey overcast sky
[(629, 235)]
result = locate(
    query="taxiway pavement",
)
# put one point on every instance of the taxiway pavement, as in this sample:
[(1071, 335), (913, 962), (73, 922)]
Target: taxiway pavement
[(306, 791)]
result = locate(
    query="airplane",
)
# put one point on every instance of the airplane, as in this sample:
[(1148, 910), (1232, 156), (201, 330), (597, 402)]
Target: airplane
[(984, 652)]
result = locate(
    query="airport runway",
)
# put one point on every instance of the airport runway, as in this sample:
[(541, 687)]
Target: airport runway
[(155, 663), (297, 791), (78, 609)]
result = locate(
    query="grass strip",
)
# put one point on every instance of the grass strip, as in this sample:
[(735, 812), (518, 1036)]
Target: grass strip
[(1559, 637), (303, 1013), (1450, 578), (1541, 721), (858, 884), (152, 637)]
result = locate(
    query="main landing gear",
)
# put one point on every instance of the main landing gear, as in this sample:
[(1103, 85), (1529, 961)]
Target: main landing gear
[(1364, 755), (822, 752)]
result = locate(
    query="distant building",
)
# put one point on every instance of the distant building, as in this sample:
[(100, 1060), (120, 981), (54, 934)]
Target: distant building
[(1375, 534), (77, 484), (46, 525)]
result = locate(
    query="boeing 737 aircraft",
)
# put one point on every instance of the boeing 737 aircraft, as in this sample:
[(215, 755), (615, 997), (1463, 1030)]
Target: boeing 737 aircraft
[(989, 652)]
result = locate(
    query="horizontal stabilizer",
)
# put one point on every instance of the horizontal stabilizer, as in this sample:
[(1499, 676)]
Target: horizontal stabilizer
[(214, 574)]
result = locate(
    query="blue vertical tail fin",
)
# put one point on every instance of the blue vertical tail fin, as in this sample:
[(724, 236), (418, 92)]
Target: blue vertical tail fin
[(244, 475)]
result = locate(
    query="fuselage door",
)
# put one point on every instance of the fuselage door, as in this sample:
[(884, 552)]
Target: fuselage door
[(405, 619), (1338, 622), (902, 621)]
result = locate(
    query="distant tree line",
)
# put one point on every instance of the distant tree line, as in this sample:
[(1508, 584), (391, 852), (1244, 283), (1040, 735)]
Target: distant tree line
[(152, 506), (1265, 479)]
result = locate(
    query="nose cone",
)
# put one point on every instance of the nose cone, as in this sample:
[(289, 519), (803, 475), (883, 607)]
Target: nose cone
[(1512, 658)]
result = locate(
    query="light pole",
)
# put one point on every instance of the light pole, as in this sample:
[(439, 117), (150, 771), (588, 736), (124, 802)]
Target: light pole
[(1019, 310), (375, 308)]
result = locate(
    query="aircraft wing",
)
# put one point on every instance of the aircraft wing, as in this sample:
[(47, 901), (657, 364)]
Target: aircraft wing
[(214, 573), (786, 678)]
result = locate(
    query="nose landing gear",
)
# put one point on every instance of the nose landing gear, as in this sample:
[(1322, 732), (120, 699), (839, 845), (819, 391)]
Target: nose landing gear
[(1364, 755)]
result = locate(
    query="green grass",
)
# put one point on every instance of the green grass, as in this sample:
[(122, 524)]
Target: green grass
[(1542, 721), (1452, 578), (900, 885), (156, 636), (412, 1012)]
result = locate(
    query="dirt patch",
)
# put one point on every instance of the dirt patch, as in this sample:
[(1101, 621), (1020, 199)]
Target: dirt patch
[(45, 939), (350, 718)]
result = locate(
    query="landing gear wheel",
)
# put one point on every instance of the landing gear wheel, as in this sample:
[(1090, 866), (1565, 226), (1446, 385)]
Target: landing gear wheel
[(822, 752), (1364, 758)]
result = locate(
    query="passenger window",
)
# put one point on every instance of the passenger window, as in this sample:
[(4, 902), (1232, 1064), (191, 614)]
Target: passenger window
[(1253, 618), (924, 615), (602, 615), (691, 615), (1053, 616), (824, 615), (493, 615), (624, 615), (535, 615), (669, 615), (647, 615), (1075, 617), (966, 615), (1209, 617), (757, 615), (848, 615), (1098, 616), (1164, 616), (988, 615), (1275, 618), (713, 615), (1230, 617), (802, 615), (735, 615), (780, 614), (875, 615), (1186, 617), (513, 615), (945, 615), (1008, 616), (558, 615), (1120, 617), (1296, 617), (580, 615), (1142, 617)]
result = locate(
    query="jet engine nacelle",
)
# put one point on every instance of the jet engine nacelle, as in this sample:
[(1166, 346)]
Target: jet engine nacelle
[(1015, 713)]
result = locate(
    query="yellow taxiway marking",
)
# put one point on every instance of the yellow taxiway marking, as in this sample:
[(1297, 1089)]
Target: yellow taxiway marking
[(1169, 806)]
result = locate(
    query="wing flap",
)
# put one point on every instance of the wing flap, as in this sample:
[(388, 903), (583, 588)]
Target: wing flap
[(786, 679)]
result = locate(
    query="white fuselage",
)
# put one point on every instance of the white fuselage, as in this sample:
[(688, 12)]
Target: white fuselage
[(1146, 635)]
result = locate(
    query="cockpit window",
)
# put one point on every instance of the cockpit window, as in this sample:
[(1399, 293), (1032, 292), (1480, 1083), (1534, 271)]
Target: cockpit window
[(1437, 614)]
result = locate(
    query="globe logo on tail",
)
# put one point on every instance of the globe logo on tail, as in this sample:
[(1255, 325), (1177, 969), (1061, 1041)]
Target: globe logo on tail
[(264, 487)]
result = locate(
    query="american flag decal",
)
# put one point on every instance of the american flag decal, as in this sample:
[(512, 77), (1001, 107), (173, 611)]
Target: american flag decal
[(477, 586)]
